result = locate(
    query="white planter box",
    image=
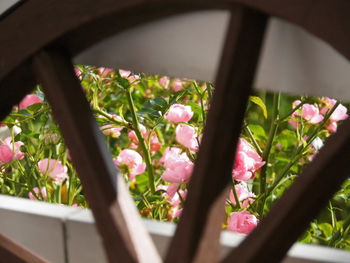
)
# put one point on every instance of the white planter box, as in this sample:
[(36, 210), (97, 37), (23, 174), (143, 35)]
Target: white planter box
[(65, 234)]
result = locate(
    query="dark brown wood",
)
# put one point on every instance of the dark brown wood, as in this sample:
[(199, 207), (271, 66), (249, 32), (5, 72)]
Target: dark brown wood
[(14, 87), (290, 216), (87, 21), (93, 162), (12, 252), (197, 235)]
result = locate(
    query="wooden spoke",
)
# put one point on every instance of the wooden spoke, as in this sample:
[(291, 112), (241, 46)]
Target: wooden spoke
[(290, 216), (124, 237), (197, 234), (14, 87), (11, 252)]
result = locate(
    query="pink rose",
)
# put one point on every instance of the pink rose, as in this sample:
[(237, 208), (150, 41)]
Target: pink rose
[(311, 113), (132, 134), (178, 166), (171, 156), (154, 141), (126, 74), (51, 138), (177, 85), (179, 113), (54, 169), (339, 114), (180, 172), (15, 147), (186, 135), (244, 195), (173, 197), (6, 154), (42, 194), (132, 160), (247, 161), (242, 222), (164, 82), (111, 130), (104, 71), (29, 100), (308, 112)]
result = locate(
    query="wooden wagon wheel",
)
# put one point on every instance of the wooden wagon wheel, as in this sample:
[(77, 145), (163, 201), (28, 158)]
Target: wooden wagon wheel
[(37, 42)]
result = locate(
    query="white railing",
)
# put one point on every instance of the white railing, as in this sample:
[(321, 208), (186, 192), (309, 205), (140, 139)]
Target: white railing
[(65, 234)]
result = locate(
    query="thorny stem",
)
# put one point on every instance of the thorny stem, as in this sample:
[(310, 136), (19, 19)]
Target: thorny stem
[(201, 100), (238, 203), (142, 142), (267, 150), (299, 153)]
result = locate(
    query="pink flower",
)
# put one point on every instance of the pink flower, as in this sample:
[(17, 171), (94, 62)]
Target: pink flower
[(6, 154), (308, 112), (111, 130), (247, 161), (42, 194), (51, 138), (15, 147), (126, 74), (186, 135), (54, 169), (78, 73), (175, 212), (177, 85), (178, 166), (29, 100), (172, 195), (179, 173), (104, 71), (132, 160), (171, 156), (179, 113), (242, 222), (154, 141), (311, 113), (132, 134), (244, 195), (164, 82), (339, 114)]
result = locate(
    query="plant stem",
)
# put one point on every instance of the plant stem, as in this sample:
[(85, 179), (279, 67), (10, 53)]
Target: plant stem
[(272, 133), (251, 136), (110, 118), (238, 203), (300, 151), (267, 150), (142, 142), (338, 233), (333, 217), (201, 100), (279, 120)]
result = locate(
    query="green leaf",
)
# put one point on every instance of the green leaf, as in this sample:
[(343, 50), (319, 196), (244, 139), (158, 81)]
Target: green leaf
[(306, 237), (326, 229), (258, 131), (158, 103), (196, 109), (177, 96), (256, 100)]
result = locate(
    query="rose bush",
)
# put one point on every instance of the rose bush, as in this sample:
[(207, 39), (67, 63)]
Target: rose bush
[(153, 127)]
